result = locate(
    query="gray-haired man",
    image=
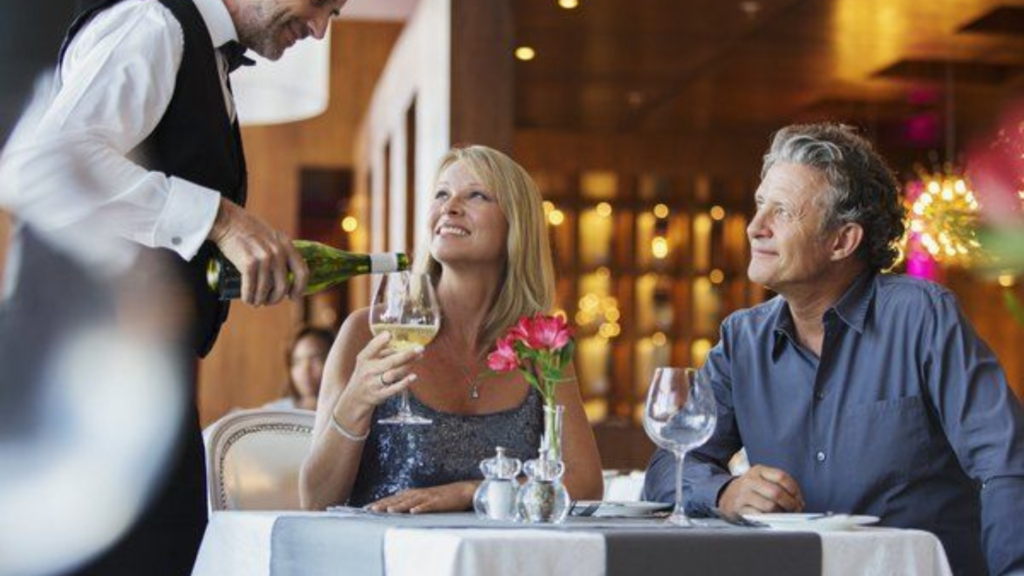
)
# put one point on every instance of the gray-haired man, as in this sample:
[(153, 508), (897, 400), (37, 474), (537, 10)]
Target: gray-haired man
[(856, 391)]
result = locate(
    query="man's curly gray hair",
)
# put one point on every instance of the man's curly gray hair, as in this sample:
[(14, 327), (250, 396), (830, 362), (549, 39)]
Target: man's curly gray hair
[(861, 187)]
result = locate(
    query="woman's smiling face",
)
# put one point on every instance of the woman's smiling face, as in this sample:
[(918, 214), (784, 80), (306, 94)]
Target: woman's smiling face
[(466, 222)]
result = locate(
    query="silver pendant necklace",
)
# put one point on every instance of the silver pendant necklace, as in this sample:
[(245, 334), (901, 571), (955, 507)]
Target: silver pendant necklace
[(474, 384)]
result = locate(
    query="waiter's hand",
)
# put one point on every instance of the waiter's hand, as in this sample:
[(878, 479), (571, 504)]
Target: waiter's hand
[(762, 489), (263, 256)]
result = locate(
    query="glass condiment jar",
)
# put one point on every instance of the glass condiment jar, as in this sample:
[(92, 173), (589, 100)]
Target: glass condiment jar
[(495, 498)]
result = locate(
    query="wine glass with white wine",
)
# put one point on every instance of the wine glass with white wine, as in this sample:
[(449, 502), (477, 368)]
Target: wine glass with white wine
[(406, 306)]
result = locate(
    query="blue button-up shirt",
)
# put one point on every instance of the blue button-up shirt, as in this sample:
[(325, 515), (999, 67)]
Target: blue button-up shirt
[(906, 415)]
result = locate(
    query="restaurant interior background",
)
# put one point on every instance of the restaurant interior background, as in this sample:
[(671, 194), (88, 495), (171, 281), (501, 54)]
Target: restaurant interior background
[(643, 122)]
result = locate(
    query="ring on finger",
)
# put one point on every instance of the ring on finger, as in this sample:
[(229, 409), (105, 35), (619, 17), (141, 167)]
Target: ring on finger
[(383, 381)]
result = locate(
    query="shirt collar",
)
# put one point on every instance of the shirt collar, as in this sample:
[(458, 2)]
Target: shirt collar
[(784, 328), (851, 308), (218, 20)]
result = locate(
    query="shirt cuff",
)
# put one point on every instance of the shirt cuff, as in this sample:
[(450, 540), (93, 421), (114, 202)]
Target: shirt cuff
[(187, 218), (703, 496)]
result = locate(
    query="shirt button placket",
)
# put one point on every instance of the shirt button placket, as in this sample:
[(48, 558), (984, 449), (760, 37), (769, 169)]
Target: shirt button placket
[(819, 382)]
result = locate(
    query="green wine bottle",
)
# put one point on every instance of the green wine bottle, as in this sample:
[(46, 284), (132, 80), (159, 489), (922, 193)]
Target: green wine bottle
[(327, 267)]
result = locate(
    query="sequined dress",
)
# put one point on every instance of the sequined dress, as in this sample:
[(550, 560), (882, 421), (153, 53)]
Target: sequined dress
[(399, 457)]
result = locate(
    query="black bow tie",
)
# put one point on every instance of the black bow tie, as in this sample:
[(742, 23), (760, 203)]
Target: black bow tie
[(235, 54)]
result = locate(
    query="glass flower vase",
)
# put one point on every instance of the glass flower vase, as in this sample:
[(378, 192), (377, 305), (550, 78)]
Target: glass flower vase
[(543, 499)]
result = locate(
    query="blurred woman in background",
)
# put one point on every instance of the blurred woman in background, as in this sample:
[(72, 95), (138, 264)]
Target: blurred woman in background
[(306, 357)]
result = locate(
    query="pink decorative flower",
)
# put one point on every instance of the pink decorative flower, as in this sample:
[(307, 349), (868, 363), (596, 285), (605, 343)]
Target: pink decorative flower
[(547, 332), (504, 357), (540, 347), (520, 332)]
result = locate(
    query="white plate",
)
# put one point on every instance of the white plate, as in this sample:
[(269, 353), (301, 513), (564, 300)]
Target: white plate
[(610, 508), (812, 522)]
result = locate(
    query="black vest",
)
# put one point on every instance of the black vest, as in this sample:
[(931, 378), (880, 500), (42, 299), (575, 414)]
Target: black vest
[(195, 141)]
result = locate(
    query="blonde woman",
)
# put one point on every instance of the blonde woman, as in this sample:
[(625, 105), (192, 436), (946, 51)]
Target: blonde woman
[(489, 256)]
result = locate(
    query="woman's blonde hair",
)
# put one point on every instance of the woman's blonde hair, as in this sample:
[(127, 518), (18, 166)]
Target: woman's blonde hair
[(528, 284)]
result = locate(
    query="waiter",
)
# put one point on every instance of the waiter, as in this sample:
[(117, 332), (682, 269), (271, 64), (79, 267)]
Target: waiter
[(144, 100)]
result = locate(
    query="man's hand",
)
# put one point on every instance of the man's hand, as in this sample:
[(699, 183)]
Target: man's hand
[(762, 489), (262, 255)]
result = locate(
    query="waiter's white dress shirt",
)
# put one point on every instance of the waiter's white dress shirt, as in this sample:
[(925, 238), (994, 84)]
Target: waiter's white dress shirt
[(114, 86)]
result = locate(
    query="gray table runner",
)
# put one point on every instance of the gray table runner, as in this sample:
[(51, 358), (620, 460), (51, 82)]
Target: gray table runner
[(719, 552), (305, 545)]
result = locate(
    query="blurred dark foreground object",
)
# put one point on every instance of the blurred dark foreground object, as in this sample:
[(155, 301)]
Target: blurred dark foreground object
[(92, 406), (30, 37)]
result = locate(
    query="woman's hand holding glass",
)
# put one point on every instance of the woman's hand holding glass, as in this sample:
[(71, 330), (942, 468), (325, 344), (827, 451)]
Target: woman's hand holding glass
[(405, 306), (379, 374)]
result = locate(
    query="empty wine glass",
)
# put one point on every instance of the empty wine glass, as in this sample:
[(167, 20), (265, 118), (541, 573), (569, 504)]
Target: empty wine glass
[(680, 415), (405, 305)]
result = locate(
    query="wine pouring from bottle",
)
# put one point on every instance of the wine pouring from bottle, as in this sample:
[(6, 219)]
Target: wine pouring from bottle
[(327, 267)]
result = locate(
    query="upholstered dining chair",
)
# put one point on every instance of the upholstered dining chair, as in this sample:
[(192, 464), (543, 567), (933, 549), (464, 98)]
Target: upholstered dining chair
[(253, 459)]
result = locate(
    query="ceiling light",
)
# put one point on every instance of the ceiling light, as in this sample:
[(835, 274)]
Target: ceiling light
[(556, 217), (525, 53), (568, 4), (751, 9)]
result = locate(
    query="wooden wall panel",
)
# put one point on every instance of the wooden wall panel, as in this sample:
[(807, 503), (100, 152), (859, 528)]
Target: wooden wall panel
[(482, 94), (724, 156), (983, 304), (247, 366)]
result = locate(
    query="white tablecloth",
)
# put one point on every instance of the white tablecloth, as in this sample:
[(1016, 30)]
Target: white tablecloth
[(239, 543)]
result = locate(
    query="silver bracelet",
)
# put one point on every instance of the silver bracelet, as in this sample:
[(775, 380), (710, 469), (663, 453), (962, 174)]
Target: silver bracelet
[(341, 430)]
